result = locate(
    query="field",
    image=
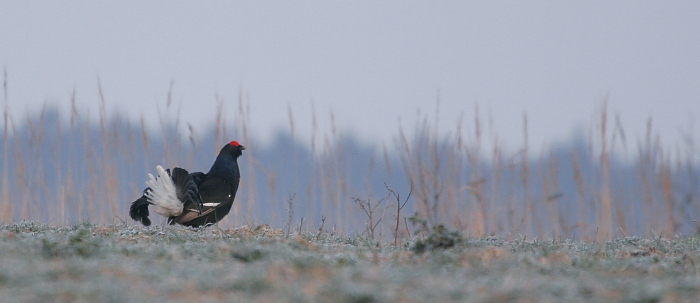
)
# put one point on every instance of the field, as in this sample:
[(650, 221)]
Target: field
[(125, 263)]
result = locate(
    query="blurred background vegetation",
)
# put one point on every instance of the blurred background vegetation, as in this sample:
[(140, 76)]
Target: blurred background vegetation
[(63, 168)]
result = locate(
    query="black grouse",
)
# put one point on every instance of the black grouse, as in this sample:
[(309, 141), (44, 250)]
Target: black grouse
[(192, 199)]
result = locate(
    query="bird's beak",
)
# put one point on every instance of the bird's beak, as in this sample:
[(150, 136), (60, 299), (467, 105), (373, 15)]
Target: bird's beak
[(241, 147)]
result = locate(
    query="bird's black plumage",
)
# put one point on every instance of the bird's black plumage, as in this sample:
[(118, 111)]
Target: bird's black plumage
[(201, 198)]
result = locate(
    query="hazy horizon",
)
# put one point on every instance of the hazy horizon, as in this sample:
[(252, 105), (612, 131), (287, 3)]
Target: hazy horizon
[(373, 65)]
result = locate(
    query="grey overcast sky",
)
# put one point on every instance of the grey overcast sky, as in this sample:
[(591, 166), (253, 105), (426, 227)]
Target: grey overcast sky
[(368, 62)]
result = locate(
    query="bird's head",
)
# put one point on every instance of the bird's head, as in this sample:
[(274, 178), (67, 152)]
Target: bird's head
[(226, 163), (234, 148)]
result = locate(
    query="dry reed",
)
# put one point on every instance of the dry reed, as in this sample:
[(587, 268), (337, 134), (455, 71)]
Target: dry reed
[(61, 172)]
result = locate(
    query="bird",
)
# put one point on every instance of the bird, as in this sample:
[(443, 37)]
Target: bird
[(192, 199)]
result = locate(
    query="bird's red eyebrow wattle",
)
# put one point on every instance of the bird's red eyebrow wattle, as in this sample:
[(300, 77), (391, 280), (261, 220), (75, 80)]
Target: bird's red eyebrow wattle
[(234, 143)]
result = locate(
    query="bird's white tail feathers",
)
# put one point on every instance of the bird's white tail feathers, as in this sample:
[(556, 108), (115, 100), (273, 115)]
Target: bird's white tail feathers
[(163, 194)]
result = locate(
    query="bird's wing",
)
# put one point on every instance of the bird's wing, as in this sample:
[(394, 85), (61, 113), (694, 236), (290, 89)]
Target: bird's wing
[(188, 188), (214, 192)]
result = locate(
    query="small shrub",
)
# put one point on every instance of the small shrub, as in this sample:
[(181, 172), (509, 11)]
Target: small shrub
[(50, 249), (440, 238), (82, 243)]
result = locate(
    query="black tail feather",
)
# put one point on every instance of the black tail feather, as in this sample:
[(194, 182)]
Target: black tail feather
[(187, 190), (139, 211)]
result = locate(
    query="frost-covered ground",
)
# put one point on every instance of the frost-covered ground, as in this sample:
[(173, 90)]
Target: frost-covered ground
[(123, 263)]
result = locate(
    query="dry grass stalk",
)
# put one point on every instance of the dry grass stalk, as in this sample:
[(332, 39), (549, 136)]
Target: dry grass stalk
[(645, 167), (620, 193), (498, 210), (249, 181), (605, 216), (370, 210), (399, 207), (290, 212), (5, 205), (476, 181), (667, 192), (551, 197), (529, 212)]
